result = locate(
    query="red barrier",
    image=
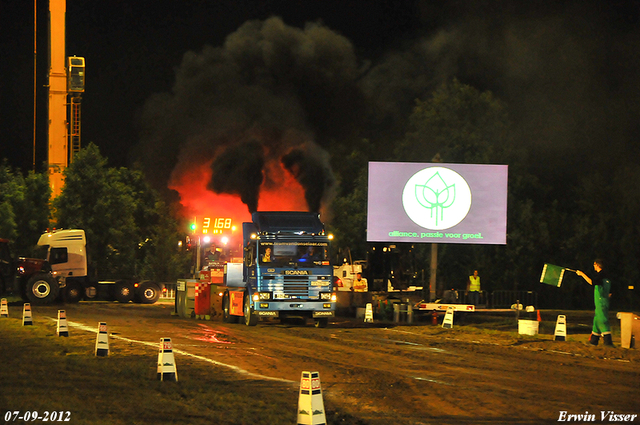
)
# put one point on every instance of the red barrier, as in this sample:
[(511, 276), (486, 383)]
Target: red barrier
[(202, 303)]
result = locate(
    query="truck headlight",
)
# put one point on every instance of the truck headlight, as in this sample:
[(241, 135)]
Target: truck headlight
[(260, 296)]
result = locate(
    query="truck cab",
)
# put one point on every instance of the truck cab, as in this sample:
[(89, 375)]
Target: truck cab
[(286, 270), (67, 255)]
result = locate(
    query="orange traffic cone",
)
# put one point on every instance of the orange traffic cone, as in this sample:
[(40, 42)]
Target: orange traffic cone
[(539, 319)]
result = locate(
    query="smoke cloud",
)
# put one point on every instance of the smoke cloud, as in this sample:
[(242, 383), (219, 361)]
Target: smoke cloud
[(263, 105), (567, 70), (259, 113)]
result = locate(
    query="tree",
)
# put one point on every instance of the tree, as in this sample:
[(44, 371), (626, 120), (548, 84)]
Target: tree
[(606, 226), (119, 212), (164, 260), (24, 208), (350, 219), (9, 192), (460, 124)]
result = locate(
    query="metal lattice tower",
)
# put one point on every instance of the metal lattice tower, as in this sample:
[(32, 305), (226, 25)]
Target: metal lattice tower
[(75, 125)]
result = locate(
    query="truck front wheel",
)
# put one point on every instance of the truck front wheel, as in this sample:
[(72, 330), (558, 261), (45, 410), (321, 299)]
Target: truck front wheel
[(42, 289), (250, 318), (322, 322)]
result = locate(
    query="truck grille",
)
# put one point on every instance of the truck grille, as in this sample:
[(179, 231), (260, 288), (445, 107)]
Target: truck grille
[(297, 286)]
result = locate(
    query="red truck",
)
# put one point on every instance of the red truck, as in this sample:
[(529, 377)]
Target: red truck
[(30, 278)]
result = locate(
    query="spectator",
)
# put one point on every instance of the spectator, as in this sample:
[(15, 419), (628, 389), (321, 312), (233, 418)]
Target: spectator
[(473, 288), (360, 284)]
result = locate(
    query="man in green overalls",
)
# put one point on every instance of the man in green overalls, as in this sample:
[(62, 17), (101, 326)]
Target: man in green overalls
[(601, 288)]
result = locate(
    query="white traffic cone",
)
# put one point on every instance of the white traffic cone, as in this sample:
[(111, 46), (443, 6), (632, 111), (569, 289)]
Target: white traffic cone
[(368, 313), (102, 340), (27, 320), (560, 333), (62, 329), (310, 404), (448, 318), (4, 308), (166, 363)]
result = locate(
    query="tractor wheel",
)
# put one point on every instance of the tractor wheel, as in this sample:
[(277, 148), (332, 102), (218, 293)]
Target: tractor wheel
[(42, 289)]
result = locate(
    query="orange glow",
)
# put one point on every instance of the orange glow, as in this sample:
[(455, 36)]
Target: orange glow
[(278, 192)]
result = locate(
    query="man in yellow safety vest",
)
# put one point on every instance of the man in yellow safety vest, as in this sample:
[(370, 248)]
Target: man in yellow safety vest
[(473, 288)]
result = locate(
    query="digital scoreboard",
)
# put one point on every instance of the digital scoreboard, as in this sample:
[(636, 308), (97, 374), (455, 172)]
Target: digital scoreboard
[(213, 225)]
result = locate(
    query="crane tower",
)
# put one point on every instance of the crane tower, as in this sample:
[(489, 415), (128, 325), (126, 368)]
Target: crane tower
[(66, 83)]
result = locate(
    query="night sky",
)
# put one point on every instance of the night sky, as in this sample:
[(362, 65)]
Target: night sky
[(132, 50), (568, 70)]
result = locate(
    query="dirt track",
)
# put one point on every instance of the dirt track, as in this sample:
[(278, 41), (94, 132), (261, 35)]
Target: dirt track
[(387, 374)]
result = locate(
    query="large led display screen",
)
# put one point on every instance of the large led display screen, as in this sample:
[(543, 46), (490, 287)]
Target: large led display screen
[(437, 203)]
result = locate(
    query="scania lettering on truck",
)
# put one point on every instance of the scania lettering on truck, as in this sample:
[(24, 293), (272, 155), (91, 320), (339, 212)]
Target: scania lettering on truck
[(286, 270), (67, 256)]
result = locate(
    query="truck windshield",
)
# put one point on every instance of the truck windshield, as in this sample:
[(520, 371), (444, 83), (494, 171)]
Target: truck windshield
[(305, 254)]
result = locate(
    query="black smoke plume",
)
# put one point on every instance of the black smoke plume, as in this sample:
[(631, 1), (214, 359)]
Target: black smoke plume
[(270, 93), (238, 170)]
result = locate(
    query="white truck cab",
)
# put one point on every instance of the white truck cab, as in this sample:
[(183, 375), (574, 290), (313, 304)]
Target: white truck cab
[(67, 252), (67, 255)]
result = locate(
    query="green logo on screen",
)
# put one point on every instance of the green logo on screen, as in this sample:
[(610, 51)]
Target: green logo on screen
[(436, 198)]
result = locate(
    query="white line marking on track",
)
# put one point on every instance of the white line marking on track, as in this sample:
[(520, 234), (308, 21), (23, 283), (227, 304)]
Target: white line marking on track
[(181, 352)]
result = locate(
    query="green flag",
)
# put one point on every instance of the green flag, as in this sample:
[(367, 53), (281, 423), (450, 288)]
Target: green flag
[(552, 275)]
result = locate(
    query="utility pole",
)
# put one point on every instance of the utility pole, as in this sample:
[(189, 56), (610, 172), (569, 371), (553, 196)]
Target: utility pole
[(434, 253), (35, 73)]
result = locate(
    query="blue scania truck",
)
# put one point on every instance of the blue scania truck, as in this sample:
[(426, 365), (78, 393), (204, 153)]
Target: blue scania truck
[(286, 271)]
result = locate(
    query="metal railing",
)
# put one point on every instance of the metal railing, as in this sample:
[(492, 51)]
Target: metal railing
[(467, 298), (169, 292), (505, 299)]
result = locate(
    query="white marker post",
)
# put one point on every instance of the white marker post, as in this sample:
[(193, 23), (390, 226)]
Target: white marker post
[(102, 340), (166, 363), (27, 319), (310, 404)]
